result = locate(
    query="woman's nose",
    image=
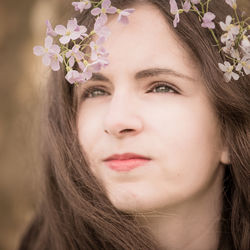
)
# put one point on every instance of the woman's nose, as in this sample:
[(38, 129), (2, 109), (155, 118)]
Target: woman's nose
[(123, 117)]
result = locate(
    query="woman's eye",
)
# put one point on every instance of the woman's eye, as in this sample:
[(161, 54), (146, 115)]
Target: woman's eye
[(93, 92), (162, 87)]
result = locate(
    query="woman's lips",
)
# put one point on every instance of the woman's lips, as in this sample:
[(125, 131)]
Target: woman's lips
[(126, 162)]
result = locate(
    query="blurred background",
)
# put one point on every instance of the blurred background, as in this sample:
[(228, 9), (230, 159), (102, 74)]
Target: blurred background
[(22, 26)]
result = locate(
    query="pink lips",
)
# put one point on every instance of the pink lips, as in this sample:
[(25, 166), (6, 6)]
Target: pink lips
[(126, 162)]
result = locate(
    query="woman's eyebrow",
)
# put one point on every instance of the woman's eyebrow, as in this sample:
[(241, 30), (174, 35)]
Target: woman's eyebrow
[(99, 77), (151, 72)]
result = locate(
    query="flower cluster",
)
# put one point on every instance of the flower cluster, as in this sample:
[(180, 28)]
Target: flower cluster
[(234, 42), (87, 55)]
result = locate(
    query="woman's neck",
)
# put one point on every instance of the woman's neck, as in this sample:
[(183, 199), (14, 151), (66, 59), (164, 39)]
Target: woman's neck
[(191, 226)]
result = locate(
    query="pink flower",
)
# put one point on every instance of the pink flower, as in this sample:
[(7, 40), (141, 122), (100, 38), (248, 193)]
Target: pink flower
[(73, 76), (81, 30), (50, 31), (232, 3), (99, 64), (100, 29), (173, 7), (87, 70), (123, 15), (187, 4), (175, 11), (106, 9), (207, 20), (97, 50), (228, 69), (83, 4), (74, 54), (176, 19), (50, 53), (72, 32)]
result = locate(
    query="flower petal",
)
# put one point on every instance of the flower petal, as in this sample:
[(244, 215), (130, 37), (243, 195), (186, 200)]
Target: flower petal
[(173, 7), (222, 67), (68, 53), (46, 59), (50, 31), (123, 19), (176, 19), (223, 26), (75, 35), (55, 66), (112, 10), (72, 24), (96, 11), (56, 48), (235, 76), (186, 5), (64, 39), (38, 50), (228, 20), (71, 61), (48, 42), (106, 4), (60, 30), (227, 76), (209, 16)]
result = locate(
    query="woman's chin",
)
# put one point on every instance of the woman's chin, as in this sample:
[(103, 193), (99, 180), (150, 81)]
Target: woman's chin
[(130, 204)]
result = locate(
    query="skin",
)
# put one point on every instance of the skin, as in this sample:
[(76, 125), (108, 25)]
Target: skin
[(178, 192)]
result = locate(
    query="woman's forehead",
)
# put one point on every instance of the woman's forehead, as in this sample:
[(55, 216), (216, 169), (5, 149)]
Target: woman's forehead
[(146, 42)]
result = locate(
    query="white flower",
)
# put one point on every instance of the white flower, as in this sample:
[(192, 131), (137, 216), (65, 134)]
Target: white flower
[(245, 45), (232, 3), (231, 30), (235, 53), (229, 46), (228, 69), (245, 64), (245, 42)]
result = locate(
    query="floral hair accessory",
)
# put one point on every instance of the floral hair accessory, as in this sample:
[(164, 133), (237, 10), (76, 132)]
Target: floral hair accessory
[(60, 52), (234, 43)]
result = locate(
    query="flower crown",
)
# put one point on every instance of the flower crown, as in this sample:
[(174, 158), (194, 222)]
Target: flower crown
[(90, 56)]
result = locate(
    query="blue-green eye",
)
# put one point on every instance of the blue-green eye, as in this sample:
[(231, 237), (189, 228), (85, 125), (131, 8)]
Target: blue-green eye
[(93, 92), (162, 87)]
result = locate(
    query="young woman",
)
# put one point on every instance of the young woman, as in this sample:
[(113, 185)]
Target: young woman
[(153, 151)]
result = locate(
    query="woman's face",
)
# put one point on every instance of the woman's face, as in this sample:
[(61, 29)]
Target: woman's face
[(150, 101)]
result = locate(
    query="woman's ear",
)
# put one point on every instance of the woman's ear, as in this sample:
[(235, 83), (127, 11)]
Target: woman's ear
[(224, 158)]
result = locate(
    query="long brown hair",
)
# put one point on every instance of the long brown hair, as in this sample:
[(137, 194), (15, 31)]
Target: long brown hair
[(75, 212)]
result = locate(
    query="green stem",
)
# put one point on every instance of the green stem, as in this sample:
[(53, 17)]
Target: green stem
[(202, 8), (97, 3), (215, 38), (207, 5), (238, 20), (197, 11)]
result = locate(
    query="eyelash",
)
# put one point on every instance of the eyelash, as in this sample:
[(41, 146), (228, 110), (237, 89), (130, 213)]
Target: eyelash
[(89, 91), (162, 84)]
